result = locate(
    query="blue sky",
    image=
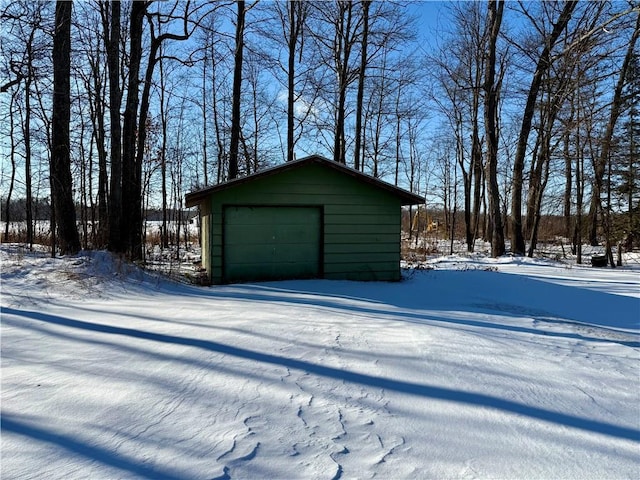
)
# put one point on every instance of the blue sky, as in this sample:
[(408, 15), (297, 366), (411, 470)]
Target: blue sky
[(430, 14)]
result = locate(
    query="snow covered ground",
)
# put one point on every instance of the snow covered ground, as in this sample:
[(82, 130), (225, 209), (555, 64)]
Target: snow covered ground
[(468, 368)]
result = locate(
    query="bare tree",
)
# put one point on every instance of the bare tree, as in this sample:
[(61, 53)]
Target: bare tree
[(164, 120), (130, 191), (492, 89), (214, 90), (110, 13), (26, 48), (460, 67), (565, 74), (553, 93), (296, 14), (361, 82), (345, 37), (543, 64), (159, 36), (376, 118), (62, 188), (91, 94), (604, 160), (581, 68), (336, 35), (237, 88), (205, 121), (12, 156)]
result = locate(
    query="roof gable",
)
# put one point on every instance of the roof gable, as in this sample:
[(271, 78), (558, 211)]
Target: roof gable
[(407, 198)]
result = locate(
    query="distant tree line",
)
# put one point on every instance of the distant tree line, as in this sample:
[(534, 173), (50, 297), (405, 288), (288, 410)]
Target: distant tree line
[(515, 111)]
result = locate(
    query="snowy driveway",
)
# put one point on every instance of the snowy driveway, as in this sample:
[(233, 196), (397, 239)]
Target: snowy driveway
[(493, 371)]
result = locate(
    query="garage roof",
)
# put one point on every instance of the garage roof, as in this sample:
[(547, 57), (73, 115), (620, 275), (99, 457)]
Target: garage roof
[(194, 198)]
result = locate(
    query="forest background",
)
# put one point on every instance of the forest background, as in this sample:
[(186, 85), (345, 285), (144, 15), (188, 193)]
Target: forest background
[(499, 113)]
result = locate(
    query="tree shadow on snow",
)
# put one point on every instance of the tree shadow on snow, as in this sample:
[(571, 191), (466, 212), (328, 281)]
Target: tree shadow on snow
[(19, 425), (411, 388), (502, 296)]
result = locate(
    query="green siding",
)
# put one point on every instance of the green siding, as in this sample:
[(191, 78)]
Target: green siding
[(205, 241), (360, 231), (356, 249), (340, 230)]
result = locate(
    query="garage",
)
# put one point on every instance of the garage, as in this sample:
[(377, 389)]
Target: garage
[(309, 218), (271, 242)]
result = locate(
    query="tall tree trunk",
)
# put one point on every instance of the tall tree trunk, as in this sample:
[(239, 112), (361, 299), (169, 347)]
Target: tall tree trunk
[(296, 13), (27, 159), (60, 158), (579, 200), (291, 62), (491, 126), (361, 78), (129, 127), (141, 149), (632, 171), (29, 79), (164, 232), (237, 92), (342, 56), (478, 195), (534, 206), (205, 121), (12, 156), (568, 176), (85, 161), (379, 119), (217, 122), (544, 63), (136, 221), (535, 175), (111, 27), (475, 166), (452, 232), (253, 160), (45, 117), (466, 187), (97, 120), (396, 176), (475, 175)]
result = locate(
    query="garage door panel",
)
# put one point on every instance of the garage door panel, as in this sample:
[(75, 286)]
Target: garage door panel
[(264, 233), (265, 243), (264, 271), (286, 253)]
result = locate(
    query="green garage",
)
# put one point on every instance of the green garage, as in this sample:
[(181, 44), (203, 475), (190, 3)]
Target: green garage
[(310, 218)]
